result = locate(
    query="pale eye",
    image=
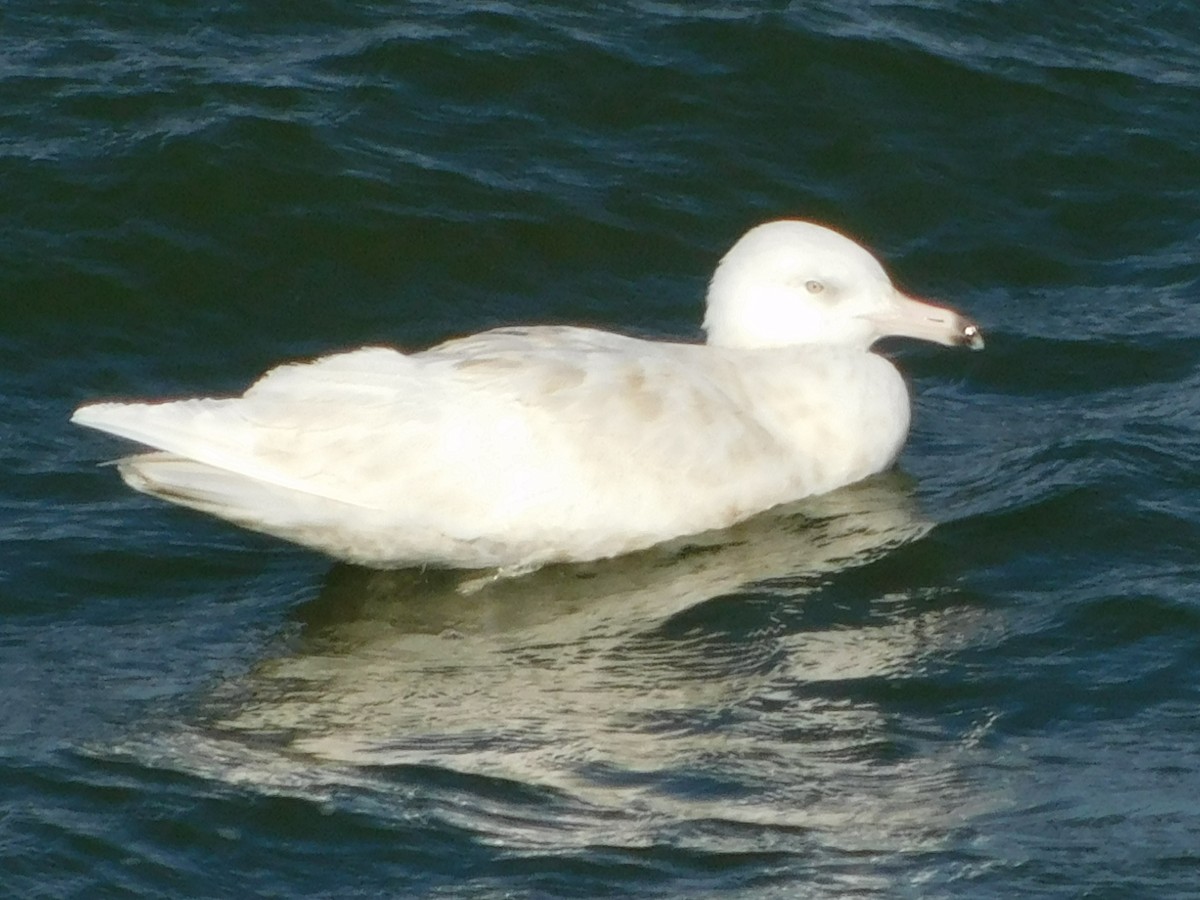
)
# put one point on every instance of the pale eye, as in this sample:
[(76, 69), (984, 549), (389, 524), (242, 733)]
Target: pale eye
[(814, 286)]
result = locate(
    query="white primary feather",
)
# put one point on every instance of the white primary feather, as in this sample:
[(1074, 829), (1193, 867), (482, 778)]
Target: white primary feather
[(521, 446)]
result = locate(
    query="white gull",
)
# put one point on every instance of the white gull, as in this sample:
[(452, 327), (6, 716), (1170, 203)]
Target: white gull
[(522, 446)]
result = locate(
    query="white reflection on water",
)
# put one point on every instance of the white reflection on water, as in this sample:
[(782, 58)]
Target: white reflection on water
[(669, 686)]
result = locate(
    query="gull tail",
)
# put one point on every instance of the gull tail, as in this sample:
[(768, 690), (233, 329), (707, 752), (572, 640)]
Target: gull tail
[(197, 485), (192, 428), (256, 505), (202, 460), (209, 433)]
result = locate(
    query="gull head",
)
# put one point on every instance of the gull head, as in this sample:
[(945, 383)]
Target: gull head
[(789, 283)]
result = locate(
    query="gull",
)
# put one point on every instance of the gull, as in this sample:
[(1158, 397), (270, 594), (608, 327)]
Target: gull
[(522, 446)]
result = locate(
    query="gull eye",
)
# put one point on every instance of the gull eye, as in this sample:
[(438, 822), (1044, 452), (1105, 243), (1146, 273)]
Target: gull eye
[(813, 286)]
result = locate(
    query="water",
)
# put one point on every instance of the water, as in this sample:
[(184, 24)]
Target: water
[(975, 678)]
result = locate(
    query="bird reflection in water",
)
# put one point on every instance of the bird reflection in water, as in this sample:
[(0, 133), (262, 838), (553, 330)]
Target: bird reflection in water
[(681, 679)]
